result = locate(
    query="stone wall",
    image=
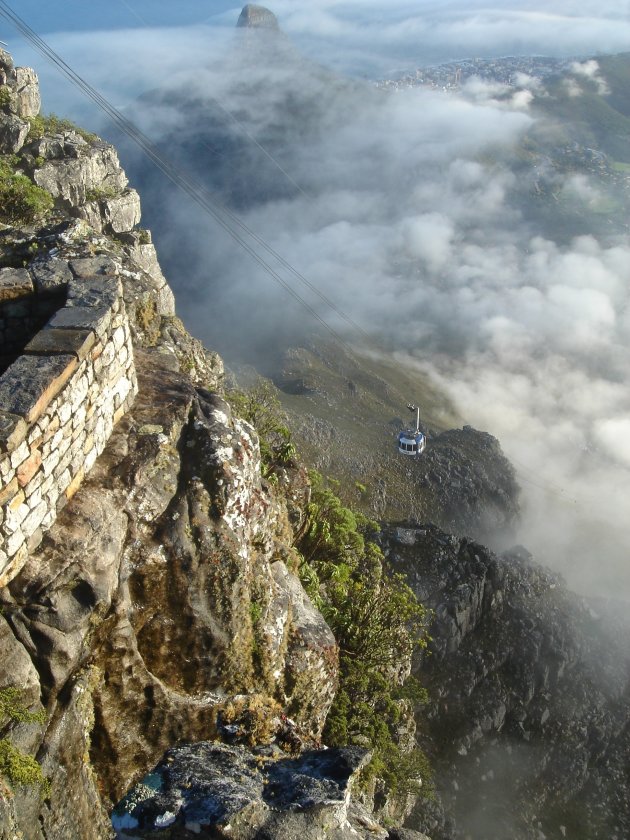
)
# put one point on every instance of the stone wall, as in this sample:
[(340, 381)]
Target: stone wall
[(60, 400), (25, 308)]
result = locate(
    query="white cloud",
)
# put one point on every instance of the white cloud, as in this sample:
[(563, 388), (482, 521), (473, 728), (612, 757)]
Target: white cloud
[(590, 70), (406, 220), (422, 32), (613, 435), (358, 36)]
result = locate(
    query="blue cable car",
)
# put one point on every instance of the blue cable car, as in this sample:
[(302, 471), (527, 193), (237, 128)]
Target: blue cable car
[(412, 442)]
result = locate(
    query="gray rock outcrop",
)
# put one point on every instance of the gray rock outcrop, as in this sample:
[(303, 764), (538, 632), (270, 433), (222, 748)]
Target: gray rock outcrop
[(27, 98), (214, 790), (19, 100), (13, 133), (528, 683), (86, 179), (79, 170), (21, 87), (257, 17)]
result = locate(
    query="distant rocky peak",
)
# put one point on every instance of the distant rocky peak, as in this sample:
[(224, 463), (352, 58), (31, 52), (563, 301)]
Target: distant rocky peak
[(257, 17)]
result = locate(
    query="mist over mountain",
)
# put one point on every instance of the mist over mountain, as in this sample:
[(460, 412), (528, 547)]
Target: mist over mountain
[(479, 233), (456, 235)]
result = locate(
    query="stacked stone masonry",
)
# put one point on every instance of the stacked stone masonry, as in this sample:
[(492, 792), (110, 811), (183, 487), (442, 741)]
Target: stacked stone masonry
[(60, 400), (25, 307)]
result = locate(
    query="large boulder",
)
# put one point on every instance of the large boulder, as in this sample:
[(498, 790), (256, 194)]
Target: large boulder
[(27, 98), (13, 133), (23, 88), (112, 214), (213, 790), (81, 170)]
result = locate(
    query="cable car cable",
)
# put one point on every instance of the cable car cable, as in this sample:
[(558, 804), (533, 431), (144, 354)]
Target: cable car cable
[(200, 195)]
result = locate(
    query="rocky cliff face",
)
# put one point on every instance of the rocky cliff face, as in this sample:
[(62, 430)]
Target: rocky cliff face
[(166, 588), (529, 687)]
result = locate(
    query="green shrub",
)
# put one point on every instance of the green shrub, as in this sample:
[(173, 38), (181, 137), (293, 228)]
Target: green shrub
[(52, 124), (21, 201), (377, 621), (99, 193), (254, 716), (12, 708), (5, 96), (261, 407)]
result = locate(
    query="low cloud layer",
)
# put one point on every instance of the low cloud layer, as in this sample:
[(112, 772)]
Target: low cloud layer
[(409, 217), (407, 214), (367, 36)]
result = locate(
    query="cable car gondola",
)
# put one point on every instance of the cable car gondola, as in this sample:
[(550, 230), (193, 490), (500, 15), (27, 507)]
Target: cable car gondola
[(412, 441)]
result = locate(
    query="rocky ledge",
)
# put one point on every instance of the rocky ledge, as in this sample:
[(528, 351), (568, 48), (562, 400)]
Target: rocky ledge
[(215, 790)]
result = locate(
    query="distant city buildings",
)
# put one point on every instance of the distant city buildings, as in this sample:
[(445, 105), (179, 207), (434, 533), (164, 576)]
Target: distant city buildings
[(511, 70)]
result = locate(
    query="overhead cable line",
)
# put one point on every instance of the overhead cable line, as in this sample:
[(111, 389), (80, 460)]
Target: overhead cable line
[(133, 12), (199, 195), (243, 128)]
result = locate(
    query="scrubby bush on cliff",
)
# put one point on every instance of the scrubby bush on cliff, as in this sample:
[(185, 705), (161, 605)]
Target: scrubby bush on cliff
[(261, 407), (375, 617), (5, 96), (52, 124), (21, 201), (377, 621)]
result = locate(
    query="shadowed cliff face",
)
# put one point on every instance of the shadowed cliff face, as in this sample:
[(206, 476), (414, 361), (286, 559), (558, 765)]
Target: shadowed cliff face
[(529, 685)]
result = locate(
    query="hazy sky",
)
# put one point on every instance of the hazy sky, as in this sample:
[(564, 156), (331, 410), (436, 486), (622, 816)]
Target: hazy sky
[(530, 336)]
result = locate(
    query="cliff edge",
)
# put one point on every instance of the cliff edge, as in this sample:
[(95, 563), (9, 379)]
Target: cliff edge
[(149, 590)]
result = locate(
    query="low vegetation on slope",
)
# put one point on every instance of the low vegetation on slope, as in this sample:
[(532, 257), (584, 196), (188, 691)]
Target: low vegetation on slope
[(21, 201), (375, 617), (16, 767), (377, 622)]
